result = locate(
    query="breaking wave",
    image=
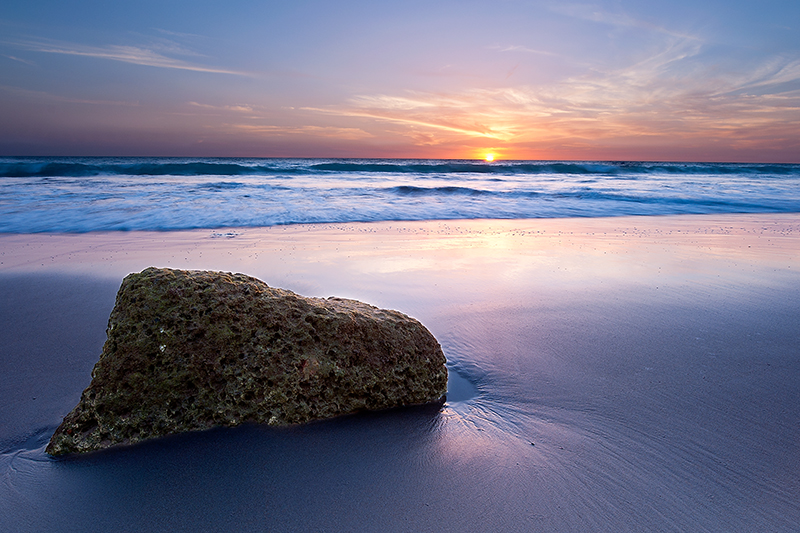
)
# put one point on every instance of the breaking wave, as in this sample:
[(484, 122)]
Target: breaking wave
[(107, 194)]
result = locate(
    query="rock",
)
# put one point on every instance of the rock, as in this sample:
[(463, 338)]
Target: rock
[(190, 350)]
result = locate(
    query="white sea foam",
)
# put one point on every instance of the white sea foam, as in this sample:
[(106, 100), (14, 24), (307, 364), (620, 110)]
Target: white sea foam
[(111, 194)]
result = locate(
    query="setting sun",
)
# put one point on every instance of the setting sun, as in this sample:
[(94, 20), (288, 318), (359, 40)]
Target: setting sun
[(489, 157)]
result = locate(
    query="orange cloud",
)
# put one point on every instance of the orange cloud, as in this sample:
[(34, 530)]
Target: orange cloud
[(659, 100)]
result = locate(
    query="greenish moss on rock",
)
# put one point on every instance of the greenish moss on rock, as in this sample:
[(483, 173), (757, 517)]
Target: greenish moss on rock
[(190, 350)]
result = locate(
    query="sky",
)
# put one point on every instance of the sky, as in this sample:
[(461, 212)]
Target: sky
[(684, 80)]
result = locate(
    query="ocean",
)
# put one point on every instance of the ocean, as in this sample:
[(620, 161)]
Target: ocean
[(84, 194)]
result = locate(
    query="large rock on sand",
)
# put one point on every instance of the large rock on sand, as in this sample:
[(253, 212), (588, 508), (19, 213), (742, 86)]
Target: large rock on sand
[(189, 350)]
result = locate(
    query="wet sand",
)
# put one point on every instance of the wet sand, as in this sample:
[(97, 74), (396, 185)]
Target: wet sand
[(620, 374)]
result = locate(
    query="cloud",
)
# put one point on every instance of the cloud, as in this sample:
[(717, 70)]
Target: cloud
[(314, 131), (594, 13), (126, 54), (389, 102), (239, 108), (525, 49), (445, 118), (679, 91), (261, 121), (771, 74), (177, 34), (31, 63)]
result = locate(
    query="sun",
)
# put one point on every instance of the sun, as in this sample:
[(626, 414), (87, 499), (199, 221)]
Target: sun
[(489, 157)]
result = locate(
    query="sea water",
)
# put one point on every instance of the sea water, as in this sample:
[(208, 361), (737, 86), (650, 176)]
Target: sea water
[(39, 194)]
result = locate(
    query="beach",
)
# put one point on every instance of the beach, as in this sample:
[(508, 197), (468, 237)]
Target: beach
[(607, 374)]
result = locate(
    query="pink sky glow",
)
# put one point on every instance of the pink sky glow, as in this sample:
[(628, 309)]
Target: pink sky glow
[(522, 80)]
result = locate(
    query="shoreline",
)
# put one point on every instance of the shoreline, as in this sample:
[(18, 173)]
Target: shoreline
[(22, 251)]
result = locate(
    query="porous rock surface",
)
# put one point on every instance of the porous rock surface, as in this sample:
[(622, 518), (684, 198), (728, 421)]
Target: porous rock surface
[(190, 350)]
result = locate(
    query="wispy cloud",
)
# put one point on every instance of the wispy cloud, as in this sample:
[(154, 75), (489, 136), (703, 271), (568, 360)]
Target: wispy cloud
[(595, 13), (524, 49), (383, 101), (126, 54), (440, 117), (238, 108), (177, 34), (31, 63), (255, 120), (770, 74), (314, 131)]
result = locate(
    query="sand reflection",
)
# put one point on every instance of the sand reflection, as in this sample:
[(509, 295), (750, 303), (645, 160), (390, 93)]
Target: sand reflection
[(625, 374)]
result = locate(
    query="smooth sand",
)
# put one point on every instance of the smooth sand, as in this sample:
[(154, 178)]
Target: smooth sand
[(620, 374)]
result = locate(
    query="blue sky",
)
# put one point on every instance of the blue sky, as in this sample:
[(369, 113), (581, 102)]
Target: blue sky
[(685, 80)]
